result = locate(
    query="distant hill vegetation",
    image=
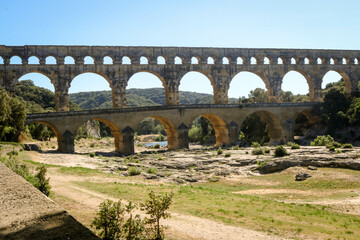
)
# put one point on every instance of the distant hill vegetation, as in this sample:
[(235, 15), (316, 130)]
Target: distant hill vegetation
[(137, 97)]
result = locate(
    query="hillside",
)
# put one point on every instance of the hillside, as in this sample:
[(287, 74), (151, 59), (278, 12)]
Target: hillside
[(137, 97)]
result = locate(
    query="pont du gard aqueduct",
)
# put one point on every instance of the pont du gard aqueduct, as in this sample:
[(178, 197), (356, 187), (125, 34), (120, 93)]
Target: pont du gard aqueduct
[(170, 64)]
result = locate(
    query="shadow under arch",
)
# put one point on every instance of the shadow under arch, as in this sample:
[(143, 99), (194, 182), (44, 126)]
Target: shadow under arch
[(344, 76), (309, 81), (262, 77), (56, 131), (171, 131), (166, 87), (209, 77), (274, 126), (220, 127), (114, 131)]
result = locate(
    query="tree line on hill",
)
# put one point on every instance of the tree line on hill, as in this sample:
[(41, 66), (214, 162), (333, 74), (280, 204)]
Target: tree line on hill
[(338, 113)]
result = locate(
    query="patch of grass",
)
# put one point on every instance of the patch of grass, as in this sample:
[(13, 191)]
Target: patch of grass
[(151, 170), (92, 154), (39, 164), (257, 151), (347, 145), (79, 171), (217, 201), (133, 171), (92, 145), (219, 151), (227, 155)]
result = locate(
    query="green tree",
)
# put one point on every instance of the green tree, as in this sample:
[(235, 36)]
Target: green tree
[(255, 130), (156, 207), (258, 95), (12, 117), (353, 113)]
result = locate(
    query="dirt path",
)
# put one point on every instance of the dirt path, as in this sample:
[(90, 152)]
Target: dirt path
[(180, 226)]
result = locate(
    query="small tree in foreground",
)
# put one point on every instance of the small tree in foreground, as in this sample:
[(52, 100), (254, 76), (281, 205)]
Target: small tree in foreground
[(156, 207)]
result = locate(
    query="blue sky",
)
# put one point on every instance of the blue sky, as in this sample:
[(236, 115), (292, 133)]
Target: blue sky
[(196, 23)]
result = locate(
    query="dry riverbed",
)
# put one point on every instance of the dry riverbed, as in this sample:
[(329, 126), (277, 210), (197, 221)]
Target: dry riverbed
[(223, 196)]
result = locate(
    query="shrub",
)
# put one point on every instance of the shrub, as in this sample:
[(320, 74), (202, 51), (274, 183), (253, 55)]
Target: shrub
[(228, 155), (157, 146), (41, 182), (255, 145), (236, 147), (156, 208), (267, 150), (332, 149), (347, 145), (322, 141), (280, 151), (338, 151), (295, 146), (336, 144), (257, 151), (111, 221), (92, 145), (219, 151), (134, 171), (92, 154), (160, 138), (151, 170)]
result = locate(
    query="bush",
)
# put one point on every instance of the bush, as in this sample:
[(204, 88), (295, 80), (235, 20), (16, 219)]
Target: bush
[(42, 183), (267, 150), (157, 146), (156, 208), (236, 147), (160, 138), (295, 146), (219, 151), (111, 221), (322, 141), (228, 155), (92, 154), (255, 145), (280, 151), (337, 145), (151, 170), (92, 145), (347, 145), (257, 151), (134, 171)]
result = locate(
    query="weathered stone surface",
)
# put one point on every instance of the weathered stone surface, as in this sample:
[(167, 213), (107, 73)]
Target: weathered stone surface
[(31, 147), (302, 176)]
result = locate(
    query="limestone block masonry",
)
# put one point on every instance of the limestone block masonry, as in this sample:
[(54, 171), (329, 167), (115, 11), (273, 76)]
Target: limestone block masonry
[(170, 64)]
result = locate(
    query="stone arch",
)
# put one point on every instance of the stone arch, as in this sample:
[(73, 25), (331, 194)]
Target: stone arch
[(209, 77), (33, 60), (308, 80), (307, 60), (16, 59), (89, 60), (69, 59), (262, 77), (179, 60), (294, 60), (144, 60), (22, 74), (114, 131), (50, 59), (226, 60), (267, 60), (254, 60), (320, 60), (170, 129), (161, 60), (195, 60), (344, 76), (281, 60), (240, 60), (156, 74), (220, 127), (56, 131), (108, 60), (210, 60), (127, 60), (275, 128)]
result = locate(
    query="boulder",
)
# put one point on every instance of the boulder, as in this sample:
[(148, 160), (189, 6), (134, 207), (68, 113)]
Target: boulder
[(302, 176)]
